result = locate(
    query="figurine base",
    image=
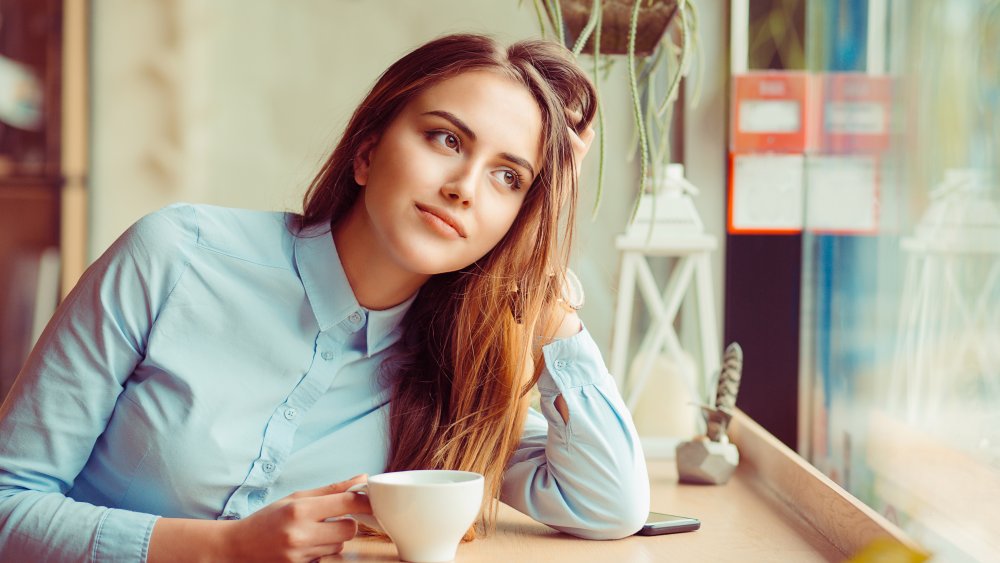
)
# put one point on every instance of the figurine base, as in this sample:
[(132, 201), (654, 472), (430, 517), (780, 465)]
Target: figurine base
[(706, 462)]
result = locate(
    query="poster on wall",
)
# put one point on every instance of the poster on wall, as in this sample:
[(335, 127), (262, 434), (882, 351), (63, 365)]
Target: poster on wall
[(841, 194), (766, 193)]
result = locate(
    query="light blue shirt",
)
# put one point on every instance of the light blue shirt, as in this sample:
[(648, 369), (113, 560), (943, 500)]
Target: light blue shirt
[(211, 362)]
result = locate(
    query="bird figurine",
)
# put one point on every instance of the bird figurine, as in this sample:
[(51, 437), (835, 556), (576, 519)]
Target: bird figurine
[(712, 459), (717, 418)]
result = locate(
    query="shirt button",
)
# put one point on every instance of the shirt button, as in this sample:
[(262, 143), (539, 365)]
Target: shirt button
[(291, 413), (560, 364), (229, 516), (268, 467), (327, 355), (355, 317)]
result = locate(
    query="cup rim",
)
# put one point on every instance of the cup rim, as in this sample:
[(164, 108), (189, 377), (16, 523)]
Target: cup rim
[(390, 478)]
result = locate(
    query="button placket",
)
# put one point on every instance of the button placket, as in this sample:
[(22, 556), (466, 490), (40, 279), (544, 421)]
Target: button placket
[(279, 434), (259, 497)]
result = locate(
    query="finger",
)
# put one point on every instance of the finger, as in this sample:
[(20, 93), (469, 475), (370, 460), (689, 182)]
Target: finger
[(580, 149), (333, 488), (587, 136), (581, 143), (574, 117), (321, 553), (582, 139), (584, 129), (578, 144), (331, 555), (337, 531), (333, 505), (344, 485)]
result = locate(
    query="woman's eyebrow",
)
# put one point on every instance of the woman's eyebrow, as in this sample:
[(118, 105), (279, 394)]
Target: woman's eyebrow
[(454, 121), (520, 162), (468, 133)]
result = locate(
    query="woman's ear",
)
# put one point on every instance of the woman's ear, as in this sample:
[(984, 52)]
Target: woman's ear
[(362, 161)]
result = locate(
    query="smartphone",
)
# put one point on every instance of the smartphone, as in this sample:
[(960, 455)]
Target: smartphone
[(658, 523)]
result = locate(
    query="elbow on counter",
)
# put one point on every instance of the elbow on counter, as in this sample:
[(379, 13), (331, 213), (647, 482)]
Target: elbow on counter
[(620, 516)]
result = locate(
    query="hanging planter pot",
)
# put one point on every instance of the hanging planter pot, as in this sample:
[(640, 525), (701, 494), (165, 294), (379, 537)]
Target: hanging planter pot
[(638, 29), (654, 17)]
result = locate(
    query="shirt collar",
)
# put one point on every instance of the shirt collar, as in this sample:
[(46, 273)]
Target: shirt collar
[(330, 295)]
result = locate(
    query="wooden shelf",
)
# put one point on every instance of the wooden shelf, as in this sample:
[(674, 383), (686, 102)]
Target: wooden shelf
[(846, 522), (776, 508)]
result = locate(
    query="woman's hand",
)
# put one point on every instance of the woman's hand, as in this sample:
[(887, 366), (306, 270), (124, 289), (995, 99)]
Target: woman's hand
[(295, 528), (581, 141)]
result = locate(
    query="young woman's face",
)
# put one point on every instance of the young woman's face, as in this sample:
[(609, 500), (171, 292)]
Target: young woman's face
[(445, 181)]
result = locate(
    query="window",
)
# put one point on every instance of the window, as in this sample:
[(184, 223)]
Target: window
[(900, 376)]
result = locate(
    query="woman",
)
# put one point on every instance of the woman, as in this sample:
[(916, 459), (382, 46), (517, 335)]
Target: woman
[(215, 368)]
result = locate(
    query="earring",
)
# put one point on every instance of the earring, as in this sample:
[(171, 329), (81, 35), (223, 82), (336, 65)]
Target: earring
[(571, 294)]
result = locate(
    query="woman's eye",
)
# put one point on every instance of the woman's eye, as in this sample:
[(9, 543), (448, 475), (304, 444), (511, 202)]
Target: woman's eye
[(445, 138), (508, 178)]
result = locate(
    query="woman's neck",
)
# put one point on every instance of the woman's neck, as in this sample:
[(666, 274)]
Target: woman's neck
[(377, 280)]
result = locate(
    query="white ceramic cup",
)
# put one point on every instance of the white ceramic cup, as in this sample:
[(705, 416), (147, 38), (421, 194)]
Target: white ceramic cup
[(425, 513)]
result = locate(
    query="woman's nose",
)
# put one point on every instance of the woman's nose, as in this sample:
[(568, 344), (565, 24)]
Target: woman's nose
[(461, 189)]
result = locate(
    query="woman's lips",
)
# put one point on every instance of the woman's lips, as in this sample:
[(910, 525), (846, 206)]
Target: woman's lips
[(439, 221)]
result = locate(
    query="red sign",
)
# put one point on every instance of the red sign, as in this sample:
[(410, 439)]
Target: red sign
[(770, 112), (855, 111)]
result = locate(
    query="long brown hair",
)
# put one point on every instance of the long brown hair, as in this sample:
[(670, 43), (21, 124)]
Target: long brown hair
[(460, 385)]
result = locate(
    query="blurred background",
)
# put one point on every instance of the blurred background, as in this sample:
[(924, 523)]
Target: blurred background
[(836, 212)]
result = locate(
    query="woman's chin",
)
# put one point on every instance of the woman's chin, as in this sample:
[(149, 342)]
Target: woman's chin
[(429, 262), (429, 256)]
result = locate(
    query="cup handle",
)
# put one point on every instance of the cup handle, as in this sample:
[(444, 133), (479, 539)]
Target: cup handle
[(366, 519)]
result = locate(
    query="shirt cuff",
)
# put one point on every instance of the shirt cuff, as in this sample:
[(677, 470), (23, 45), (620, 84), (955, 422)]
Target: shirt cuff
[(570, 363), (124, 535)]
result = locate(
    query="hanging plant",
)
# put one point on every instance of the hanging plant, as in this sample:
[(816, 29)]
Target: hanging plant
[(657, 38), (615, 17)]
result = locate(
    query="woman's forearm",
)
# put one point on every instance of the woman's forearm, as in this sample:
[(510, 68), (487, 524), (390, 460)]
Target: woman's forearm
[(581, 469), (569, 326), (183, 539), (302, 526)]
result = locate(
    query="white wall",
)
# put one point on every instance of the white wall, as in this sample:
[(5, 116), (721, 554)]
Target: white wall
[(705, 126), (236, 103)]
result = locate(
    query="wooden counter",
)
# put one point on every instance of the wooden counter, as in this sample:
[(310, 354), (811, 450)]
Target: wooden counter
[(775, 508)]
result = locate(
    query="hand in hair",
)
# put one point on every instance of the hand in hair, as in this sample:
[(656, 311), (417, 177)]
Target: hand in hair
[(581, 135), (559, 321)]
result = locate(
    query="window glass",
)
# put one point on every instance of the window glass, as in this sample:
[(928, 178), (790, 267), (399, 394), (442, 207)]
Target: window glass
[(900, 358)]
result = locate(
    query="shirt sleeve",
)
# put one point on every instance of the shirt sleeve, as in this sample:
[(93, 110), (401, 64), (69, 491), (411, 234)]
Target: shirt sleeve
[(65, 394), (586, 477)]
